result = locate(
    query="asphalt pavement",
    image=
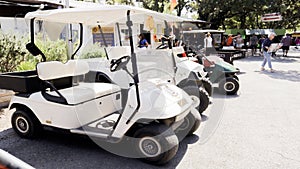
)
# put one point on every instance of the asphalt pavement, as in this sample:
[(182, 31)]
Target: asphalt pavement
[(258, 128)]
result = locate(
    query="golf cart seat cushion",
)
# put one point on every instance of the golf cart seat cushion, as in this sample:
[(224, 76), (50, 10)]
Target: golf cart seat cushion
[(117, 52), (177, 50), (87, 91), (55, 69)]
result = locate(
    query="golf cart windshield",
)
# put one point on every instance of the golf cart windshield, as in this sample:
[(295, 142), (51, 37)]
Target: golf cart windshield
[(151, 63), (154, 63)]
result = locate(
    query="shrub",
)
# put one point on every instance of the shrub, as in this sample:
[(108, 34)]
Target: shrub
[(12, 52), (92, 51)]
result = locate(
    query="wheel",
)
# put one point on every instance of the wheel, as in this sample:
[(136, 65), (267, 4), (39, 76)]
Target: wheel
[(156, 143), (200, 93), (25, 124), (229, 86), (207, 85), (190, 124)]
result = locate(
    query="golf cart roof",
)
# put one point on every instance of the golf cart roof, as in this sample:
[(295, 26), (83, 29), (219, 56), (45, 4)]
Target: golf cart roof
[(204, 31), (103, 15)]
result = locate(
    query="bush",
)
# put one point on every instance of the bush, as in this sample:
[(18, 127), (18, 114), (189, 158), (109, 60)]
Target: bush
[(53, 50), (92, 51), (12, 52)]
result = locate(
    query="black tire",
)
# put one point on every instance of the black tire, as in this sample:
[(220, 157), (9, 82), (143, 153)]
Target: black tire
[(200, 93), (189, 126), (25, 124), (229, 86), (207, 85), (156, 143)]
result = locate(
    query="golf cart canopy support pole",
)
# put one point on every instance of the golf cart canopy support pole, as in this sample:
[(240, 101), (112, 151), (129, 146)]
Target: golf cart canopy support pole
[(104, 40), (32, 40), (170, 46), (119, 33), (80, 41), (168, 34), (134, 66)]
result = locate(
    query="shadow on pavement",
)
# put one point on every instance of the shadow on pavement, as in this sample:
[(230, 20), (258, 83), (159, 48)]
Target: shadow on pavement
[(219, 95), (60, 150), (291, 75), (275, 59)]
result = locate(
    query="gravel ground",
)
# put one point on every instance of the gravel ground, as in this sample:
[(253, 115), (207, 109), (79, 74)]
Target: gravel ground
[(4, 119)]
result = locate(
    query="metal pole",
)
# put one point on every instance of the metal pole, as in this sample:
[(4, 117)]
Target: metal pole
[(69, 34)]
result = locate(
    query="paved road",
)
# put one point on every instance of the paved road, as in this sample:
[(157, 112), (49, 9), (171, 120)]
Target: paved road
[(259, 128)]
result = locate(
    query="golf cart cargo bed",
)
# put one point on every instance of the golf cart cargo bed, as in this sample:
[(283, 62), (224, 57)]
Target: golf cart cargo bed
[(28, 82), (23, 82)]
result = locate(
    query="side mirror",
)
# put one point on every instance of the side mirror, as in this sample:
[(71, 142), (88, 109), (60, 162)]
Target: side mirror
[(34, 50)]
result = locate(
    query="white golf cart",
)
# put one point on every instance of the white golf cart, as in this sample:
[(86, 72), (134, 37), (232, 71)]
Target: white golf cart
[(188, 75), (58, 96)]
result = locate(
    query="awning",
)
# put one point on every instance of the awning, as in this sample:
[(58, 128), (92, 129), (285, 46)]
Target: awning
[(101, 15)]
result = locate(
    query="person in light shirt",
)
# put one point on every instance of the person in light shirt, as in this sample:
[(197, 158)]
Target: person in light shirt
[(208, 44)]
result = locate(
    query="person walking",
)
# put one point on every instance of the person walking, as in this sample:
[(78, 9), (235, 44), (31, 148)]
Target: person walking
[(239, 41), (267, 52), (286, 42), (253, 44), (208, 44)]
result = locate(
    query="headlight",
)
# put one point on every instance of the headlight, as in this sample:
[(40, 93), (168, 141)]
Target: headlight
[(182, 102)]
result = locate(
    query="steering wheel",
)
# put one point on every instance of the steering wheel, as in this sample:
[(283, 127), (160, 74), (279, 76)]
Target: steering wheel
[(117, 64)]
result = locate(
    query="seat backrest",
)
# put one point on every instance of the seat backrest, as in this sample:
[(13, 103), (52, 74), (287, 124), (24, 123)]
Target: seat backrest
[(116, 52), (178, 50), (55, 69)]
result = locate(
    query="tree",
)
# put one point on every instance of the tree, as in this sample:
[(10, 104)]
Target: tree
[(244, 14), (155, 5)]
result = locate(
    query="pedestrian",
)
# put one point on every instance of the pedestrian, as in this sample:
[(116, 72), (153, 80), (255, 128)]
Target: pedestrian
[(267, 52), (297, 42), (208, 44), (229, 41), (143, 43), (286, 42), (260, 41), (239, 41), (253, 43)]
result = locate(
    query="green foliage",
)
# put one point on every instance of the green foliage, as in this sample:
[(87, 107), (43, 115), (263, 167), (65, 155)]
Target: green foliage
[(26, 65), (53, 50), (242, 14), (155, 5), (92, 51), (12, 52), (15, 57)]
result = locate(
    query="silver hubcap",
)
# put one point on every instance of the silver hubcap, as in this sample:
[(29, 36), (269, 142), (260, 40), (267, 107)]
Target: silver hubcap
[(229, 86), (149, 146), (22, 124)]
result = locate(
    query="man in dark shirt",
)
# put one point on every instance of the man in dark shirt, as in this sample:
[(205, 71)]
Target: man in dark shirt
[(267, 53), (286, 42)]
